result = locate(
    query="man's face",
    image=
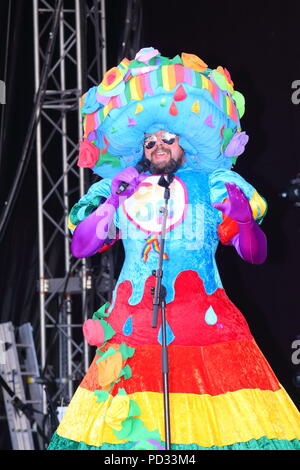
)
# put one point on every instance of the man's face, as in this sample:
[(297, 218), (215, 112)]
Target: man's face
[(163, 152)]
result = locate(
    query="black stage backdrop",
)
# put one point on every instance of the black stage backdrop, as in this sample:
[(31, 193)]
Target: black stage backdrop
[(259, 42)]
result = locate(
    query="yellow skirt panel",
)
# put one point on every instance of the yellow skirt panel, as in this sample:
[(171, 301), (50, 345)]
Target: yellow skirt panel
[(200, 419)]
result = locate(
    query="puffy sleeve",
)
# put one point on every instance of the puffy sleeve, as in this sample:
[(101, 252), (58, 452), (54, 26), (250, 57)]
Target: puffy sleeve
[(227, 227), (96, 195)]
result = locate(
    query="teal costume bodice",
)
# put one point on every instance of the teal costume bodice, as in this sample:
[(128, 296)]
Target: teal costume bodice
[(191, 229)]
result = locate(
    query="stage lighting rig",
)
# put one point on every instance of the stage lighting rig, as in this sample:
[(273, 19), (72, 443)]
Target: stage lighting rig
[(292, 191)]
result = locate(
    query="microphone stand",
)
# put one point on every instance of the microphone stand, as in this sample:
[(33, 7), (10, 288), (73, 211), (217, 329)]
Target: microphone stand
[(159, 300)]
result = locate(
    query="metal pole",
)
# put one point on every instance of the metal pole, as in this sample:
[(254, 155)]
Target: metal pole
[(159, 300), (68, 309), (40, 199), (81, 171), (103, 29)]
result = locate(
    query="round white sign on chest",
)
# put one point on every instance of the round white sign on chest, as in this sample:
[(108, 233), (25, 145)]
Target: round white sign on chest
[(143, 207)]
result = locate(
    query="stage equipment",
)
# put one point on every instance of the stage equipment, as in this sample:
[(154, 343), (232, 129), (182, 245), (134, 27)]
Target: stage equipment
[(159, 301), (64, 285), (292, 191), (22, 394)]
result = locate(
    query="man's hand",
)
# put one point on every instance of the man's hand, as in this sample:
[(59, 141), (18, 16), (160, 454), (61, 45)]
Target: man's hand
[(129, 175), (237, 206)]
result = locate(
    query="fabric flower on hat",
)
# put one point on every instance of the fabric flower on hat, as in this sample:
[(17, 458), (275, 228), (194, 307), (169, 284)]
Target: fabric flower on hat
[(112, 83), (145, 54), (237, 145), (93, 332), (146, 60), (88, 154), (194, 62), (89, 103)]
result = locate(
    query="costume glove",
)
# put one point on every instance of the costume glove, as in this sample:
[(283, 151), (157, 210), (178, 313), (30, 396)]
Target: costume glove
[(250, 242), (92, 232)]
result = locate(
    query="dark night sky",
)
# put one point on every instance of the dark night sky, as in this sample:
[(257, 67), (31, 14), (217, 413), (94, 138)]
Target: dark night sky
[(259, 43)]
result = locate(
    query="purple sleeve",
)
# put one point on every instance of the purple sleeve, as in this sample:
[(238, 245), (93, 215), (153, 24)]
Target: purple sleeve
[(250, 242), (91, 234)]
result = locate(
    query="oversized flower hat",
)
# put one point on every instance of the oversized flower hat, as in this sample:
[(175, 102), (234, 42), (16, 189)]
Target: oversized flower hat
[(181, 95)]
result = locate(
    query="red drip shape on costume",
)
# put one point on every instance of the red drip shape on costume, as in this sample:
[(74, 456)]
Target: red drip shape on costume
[(186, 315)]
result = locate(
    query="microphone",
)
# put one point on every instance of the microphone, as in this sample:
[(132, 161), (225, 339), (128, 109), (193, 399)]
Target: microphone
[(122, 187), (140, 167)]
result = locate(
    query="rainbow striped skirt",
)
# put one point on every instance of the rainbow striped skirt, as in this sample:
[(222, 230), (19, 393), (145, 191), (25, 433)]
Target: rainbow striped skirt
[(223, 394)]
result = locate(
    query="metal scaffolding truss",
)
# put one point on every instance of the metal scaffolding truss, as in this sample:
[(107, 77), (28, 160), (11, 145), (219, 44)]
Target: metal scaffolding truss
[(64, 284)]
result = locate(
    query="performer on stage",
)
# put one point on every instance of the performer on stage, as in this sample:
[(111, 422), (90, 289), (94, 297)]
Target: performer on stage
[(154, 119)]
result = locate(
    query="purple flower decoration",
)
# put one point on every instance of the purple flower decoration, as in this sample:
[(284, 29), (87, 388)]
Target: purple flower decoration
[(236, 145), (92, 136)]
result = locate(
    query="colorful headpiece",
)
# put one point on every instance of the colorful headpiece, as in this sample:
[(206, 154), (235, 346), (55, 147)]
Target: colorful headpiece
[(181, 95)]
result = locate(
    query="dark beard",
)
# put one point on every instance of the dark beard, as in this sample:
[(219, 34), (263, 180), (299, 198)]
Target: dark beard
[(171, 166)]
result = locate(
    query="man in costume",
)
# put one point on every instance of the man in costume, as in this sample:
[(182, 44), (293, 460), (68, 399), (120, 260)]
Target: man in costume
[(153, 117)]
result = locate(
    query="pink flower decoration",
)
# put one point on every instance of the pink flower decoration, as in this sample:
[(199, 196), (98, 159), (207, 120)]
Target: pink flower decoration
[(88, 154), (93, 332)]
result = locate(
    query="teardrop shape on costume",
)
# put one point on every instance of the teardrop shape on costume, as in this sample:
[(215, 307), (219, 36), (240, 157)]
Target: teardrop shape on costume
[(139, 108), (180, 94), (208, 121), (196, 107), (127, 327), (131, 122), (169, 332), (210, 316), (173, 109)]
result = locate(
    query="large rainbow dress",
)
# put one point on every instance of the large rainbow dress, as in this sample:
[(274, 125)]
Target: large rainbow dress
[(223, 392)]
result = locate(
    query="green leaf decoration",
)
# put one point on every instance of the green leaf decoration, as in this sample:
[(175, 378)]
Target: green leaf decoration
[(126, 371), (163, 60), (109, 332), (240, 102), (109, 352), (127, 425), (102, 395), (99, 352), (101, 313), (107, 158), (137, 64), (220, 80), (126, 351), (176, 60), (134, 430), (227, 135), (134, 409)]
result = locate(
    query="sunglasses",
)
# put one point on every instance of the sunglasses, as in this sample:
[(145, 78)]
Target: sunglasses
[(165, 137)]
